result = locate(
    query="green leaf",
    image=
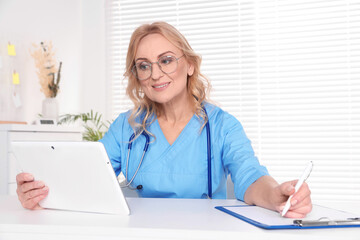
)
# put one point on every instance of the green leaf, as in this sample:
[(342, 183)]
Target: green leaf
[(91, 133)]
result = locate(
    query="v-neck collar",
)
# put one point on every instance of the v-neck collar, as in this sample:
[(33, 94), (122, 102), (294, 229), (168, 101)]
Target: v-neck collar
[(179, 138), (165, 151)]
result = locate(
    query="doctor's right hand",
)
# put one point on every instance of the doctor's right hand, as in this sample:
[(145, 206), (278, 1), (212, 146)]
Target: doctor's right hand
[(29, 191)]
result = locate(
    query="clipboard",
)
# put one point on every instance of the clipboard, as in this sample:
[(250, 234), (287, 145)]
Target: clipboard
[(320, 217)]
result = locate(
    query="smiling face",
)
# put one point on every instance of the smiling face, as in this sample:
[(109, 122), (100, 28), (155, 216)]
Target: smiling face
[(160, 87)]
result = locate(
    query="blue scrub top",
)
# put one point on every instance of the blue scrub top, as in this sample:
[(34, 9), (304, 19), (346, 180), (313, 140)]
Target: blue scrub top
[(180, 170)]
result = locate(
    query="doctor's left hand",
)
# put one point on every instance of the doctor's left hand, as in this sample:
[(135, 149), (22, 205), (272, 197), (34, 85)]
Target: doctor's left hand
[(300, 203), (29, 191)]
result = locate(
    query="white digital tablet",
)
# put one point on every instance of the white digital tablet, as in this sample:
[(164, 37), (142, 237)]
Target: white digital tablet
[(79, 175)]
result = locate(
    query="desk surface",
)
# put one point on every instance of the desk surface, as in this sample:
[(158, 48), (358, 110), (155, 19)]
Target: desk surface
[(150, 219)]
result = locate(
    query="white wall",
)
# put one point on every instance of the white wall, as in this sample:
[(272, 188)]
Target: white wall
[(76, 29), (93, 84)]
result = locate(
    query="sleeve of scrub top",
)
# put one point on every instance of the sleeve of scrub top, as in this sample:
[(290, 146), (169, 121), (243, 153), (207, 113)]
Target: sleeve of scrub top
[(239, 157), (112, 145)]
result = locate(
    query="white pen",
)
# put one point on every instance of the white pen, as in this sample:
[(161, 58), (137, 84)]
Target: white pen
[(302, 179)]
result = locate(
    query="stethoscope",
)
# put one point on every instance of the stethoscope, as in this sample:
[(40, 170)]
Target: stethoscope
[(146, 147)]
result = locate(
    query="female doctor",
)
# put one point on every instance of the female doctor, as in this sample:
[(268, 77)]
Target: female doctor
[(174, 143)]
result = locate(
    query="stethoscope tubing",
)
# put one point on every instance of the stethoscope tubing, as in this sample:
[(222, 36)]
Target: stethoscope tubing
[(208, 141), (146, 147)]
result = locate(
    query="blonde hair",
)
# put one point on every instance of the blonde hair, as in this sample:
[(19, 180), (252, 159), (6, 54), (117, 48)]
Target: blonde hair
[(145, 110)]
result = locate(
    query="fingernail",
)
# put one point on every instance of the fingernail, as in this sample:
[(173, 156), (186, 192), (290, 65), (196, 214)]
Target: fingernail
[(290, 188), (46, 188), (40, 184), (29, 177), (281, 208), (293, 202)]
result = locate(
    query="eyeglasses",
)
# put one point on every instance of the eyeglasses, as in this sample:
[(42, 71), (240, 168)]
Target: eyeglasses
[(143, 70)]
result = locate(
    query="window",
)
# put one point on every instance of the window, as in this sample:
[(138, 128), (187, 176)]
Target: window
[(288, 70)]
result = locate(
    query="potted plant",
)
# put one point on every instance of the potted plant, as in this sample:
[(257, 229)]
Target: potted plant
[(94, 126)]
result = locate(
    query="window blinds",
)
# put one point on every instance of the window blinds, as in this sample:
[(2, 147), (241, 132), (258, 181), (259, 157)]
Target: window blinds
[(300, 90), (288, 70)]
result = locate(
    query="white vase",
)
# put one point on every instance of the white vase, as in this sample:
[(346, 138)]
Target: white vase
[(50, 109)]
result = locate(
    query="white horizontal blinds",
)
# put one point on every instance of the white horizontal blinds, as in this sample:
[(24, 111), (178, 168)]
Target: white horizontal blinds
[(210, 27), (300, 90), (114, 54)]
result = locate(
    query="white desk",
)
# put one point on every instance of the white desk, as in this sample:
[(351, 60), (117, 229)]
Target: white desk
[(150, 219)]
